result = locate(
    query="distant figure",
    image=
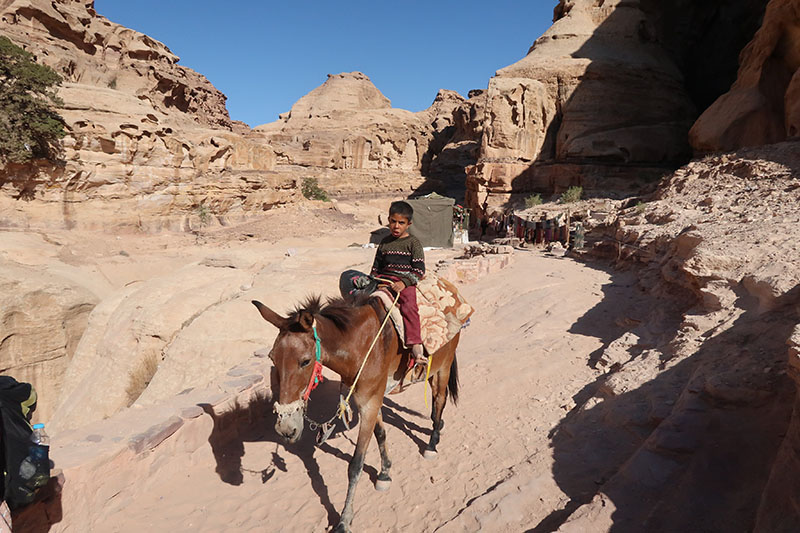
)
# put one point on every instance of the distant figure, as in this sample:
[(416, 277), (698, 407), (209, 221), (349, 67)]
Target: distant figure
[(400, 258)]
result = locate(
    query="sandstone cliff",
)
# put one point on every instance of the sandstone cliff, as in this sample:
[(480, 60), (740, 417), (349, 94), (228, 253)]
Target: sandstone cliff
[(763, 106), (578, 96), (346, 134), (605, 98), (149, 141)]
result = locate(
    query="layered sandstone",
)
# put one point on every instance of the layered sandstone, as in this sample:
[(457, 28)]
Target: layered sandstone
[(595, 89), (149, 142), (345, 134), (763, 105)]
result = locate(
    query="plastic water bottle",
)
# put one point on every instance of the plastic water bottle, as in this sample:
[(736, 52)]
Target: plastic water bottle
[(35, 468)]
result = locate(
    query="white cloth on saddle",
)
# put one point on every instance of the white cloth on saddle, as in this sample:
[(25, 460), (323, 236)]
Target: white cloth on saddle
[(442, 312)]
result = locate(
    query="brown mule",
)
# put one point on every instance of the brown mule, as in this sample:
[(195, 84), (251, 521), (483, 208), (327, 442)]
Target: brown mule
[(345, 331)]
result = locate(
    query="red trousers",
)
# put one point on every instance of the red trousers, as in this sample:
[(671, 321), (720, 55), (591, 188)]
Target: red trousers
[(408, 308)]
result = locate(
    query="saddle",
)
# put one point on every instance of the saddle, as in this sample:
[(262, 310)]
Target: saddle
[(443, 312)]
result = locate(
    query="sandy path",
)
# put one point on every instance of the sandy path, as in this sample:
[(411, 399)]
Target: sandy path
[(521, 362)]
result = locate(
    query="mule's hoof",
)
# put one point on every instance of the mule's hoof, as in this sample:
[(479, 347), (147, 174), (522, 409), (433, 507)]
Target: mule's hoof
[(383, 485), (430, 454)]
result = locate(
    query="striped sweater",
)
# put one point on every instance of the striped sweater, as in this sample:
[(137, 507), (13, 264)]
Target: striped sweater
[(403, 258)]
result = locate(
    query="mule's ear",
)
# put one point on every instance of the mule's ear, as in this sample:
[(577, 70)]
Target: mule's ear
[(269, 315), (306, 320)]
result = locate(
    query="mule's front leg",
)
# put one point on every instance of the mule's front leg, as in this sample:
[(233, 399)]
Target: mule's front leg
[(368, 417)]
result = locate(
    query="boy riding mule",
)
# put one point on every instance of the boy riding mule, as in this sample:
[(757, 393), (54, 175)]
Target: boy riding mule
[(339, 335)]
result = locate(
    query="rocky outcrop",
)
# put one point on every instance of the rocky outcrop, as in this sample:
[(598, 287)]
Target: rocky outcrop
[(596, 88), (763, 105), (149, 340), (346, 134), (149, 142), (42, 318), (605, 98), (720, 389)]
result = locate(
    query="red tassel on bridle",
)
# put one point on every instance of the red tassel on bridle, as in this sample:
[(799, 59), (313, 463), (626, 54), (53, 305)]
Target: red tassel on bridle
[(316, 374)]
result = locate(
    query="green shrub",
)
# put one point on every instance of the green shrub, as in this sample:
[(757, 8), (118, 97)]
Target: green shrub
[(29, 127), (533, 200), (313, 191), (639, 208), (204, 214), (573, 194)]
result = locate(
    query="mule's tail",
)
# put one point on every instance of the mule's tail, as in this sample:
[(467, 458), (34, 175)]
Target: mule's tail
[(452, 383)]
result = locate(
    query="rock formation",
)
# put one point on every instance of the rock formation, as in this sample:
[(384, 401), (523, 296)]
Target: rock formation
[(346, 135), (721, 390), (763, 106), (605, 98), (149, 141), (594, 89)]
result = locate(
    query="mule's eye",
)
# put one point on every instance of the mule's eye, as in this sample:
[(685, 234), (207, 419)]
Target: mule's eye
[(304, 364)]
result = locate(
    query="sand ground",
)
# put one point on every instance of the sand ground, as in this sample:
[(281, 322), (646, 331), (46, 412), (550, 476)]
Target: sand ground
[(523, 358), (523, 362)]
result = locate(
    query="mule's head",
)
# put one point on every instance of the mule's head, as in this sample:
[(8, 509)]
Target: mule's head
[(293, 355)]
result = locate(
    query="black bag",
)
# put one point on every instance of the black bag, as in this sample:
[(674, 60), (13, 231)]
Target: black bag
[(17, 403), (353, 283)]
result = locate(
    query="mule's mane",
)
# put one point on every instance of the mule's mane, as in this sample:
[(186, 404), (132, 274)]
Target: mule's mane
[(340, 311)]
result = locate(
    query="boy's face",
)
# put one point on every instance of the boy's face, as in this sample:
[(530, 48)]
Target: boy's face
[(398, 225)]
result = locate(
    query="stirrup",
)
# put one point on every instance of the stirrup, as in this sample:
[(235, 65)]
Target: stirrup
[(417, 372)]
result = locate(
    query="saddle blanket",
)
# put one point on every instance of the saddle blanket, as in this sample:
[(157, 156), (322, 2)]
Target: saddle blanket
[(442, 311)]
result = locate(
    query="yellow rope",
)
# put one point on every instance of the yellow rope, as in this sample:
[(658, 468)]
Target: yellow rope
[(343, 404), (427, 375)]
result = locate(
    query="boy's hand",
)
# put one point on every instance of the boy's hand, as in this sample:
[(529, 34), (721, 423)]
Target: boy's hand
[(398, 286)]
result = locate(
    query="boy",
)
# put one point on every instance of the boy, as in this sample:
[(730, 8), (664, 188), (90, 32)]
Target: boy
[(401, 259)]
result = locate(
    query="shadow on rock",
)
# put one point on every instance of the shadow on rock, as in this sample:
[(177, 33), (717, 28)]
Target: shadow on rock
[(686, 448)]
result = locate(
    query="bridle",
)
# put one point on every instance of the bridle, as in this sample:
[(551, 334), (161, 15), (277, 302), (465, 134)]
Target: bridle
[(316, 374), (302, 403), (343, 411)]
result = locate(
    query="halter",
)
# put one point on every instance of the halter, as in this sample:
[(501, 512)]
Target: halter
[(316, 374)]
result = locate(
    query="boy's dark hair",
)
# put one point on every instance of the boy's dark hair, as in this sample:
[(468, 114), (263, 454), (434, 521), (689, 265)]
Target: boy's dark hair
[(402, 208)]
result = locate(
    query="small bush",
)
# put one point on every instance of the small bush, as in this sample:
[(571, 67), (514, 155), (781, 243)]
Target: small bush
[(533, 200), (639, 208), (141, 377), (573, 194), (313, 191), (204, 214)]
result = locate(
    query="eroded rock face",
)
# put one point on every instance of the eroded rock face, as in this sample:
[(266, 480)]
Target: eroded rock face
[(595, 88), (147, 138), (714, 238), (346, 134), (42, 318), (763, 106), (605, 98)]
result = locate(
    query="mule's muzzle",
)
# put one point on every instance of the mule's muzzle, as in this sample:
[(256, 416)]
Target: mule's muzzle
[(290, 420)]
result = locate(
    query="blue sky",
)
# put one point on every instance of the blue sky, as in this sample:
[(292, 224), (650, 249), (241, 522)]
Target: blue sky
[(265, 55)]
